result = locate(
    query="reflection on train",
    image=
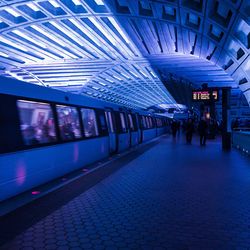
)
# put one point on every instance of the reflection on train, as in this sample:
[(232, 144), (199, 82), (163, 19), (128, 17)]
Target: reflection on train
[(46, 133), (37, 123)]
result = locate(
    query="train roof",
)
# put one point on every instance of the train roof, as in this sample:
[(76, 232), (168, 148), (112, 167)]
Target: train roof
[(27, 90)]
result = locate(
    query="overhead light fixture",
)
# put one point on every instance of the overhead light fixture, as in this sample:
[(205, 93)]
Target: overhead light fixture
[(47, 34), (118, 78), (85, 31), (102, 29), (143, 73), (56, 25), (153, 74), (19, 33), (109, 80), (103, 84), (99, 2), (3, 54), (12, 12), (54, 3), (134, 74), (76, 2), (4, 40), (125, 75), (33, 6), (117, 26), (65, 31)]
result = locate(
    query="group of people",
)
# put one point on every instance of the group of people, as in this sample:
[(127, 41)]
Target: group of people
[(189, 130)]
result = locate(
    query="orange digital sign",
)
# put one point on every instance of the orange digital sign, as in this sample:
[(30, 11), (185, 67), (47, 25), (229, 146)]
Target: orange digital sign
[(205, 95)]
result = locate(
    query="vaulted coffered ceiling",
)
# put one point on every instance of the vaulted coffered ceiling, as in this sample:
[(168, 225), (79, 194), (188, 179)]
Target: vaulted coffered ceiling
[(122, 50)]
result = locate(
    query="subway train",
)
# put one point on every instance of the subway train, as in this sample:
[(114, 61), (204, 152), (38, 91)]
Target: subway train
[(46, 133)]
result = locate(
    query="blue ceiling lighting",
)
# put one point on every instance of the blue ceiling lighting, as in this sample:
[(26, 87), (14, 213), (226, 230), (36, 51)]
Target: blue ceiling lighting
[(121, 50), (196, 40)]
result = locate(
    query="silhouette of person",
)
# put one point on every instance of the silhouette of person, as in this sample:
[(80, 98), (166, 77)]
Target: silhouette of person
[(189, 131), (174, 127), (202, 128)]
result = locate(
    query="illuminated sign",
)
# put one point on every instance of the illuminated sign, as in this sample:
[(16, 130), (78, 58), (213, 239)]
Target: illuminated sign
[(205, 95)]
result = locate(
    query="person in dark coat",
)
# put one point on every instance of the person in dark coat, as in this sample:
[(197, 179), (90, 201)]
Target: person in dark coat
[(202, 128), (189, 130), (174, 127)]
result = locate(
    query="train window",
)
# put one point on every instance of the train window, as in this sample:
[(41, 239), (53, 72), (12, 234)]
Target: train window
[(89, 122), (120, 122), (134, 122), (69, 124), (102, 122), (123, 122), (153, 121), (110, 121), (37, 122), (150, 122), (143, 122), (159, 122), (147, 122), (131, 123)]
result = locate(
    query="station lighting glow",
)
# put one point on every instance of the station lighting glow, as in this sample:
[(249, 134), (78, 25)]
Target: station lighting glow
[(113, 21), (12, 12), (54, 3), (103, 84), (118, 78), (4, 40), (98, 25), (85, 31), (53, 38), (19, 33), (153, 74), (3, 54), (33, 6), (125, 75), (134, 74), (99, 2), (143, 73), (76, 2), (71, 46), (109, 80)]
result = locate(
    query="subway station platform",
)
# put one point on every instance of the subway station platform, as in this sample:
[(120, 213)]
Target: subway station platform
[(165, 195)]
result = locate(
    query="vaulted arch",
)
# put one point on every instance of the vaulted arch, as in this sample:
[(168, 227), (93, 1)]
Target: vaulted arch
[(121, 50)]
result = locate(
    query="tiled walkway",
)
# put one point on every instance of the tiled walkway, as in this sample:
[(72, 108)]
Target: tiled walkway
[(174, 196)]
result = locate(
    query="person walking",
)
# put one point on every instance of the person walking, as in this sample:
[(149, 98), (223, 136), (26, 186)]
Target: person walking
[(189, 131), (202, 128), (174, 128)]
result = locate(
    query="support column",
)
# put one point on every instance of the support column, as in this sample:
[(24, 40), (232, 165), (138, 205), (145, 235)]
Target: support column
[(226, 133)]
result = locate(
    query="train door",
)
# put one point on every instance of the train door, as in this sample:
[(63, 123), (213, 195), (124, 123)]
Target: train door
[(155, 125), (112, 134), (139, 124), (130, 125)]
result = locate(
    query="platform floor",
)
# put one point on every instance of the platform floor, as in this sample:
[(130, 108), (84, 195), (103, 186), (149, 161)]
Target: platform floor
[(173, 196)]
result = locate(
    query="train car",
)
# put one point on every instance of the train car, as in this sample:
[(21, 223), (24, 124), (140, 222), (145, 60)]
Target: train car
[(46, 133), (147, 126), (161, 124), (133, 127)]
